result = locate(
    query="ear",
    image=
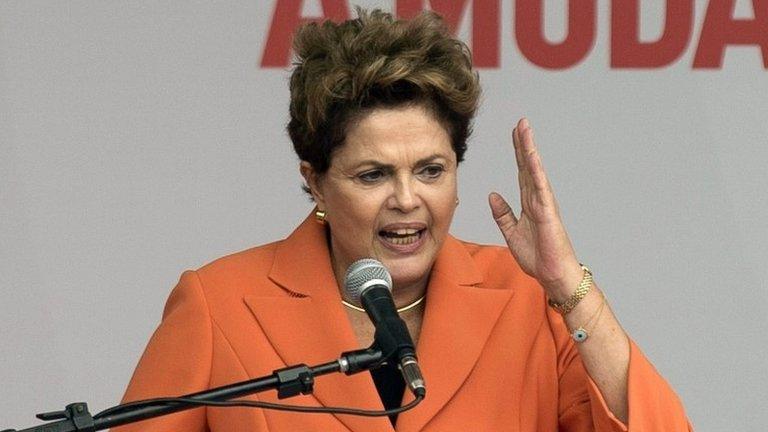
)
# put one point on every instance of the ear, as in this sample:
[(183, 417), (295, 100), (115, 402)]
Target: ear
[(313, 181)]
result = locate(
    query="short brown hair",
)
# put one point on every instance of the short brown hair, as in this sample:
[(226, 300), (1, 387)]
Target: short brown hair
[(344, 70)]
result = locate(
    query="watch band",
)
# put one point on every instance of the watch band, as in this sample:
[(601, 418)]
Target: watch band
[(581, 292)]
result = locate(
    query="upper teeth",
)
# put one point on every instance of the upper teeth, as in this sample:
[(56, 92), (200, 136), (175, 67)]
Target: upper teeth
[(404, 231)]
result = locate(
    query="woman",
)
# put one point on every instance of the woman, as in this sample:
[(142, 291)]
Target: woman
[(515, 338)]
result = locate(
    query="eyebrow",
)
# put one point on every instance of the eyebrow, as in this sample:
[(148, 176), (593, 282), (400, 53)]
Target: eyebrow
[(420, 162)]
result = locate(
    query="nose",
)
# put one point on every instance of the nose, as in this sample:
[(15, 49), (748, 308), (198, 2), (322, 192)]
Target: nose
[(405, 197)]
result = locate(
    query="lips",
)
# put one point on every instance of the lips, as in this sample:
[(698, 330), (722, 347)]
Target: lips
[(403, 238)]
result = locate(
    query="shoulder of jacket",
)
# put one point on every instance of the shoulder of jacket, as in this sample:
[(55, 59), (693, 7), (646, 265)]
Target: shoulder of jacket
[(500, 269), (488, 256), (238, 271), (248, 257)]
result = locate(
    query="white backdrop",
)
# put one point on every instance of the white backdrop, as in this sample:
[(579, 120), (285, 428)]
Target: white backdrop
[(139, 139)]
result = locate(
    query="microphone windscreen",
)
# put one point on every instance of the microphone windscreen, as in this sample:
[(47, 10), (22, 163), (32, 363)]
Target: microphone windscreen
[(364, 273)]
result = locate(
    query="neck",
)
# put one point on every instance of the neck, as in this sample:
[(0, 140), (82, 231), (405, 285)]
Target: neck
[(405, 294)]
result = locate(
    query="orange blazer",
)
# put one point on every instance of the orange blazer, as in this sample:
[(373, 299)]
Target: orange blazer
[(494, 356)]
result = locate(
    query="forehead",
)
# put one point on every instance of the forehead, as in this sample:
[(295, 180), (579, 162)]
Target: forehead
[(394, 133)]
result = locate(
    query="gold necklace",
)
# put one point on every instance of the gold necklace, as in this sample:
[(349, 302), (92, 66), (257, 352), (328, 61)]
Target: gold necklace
[(400, 310)]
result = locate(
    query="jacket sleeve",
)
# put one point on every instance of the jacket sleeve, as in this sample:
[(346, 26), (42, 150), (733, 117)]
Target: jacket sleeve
[(653, 405), (177, 360)]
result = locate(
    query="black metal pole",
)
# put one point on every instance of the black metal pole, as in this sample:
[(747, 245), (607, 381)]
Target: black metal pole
[(289, 382)]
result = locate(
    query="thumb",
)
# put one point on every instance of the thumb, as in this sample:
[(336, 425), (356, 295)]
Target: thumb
[(502, 213)]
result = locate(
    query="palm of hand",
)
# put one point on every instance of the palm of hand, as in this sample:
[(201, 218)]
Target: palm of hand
[(537, 239)]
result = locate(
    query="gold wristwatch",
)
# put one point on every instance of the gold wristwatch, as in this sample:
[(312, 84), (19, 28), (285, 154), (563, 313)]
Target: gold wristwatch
[(580, 293)]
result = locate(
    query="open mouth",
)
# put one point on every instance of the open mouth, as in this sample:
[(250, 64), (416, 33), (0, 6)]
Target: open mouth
[(403, 236)]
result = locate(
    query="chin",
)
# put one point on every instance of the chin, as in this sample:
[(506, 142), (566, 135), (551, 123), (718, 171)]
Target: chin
[(407, 273)]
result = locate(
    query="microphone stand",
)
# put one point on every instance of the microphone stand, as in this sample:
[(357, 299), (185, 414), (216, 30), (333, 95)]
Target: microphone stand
[(288, 382)]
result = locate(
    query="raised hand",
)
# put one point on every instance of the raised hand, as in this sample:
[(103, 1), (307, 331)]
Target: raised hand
[(537, 237)]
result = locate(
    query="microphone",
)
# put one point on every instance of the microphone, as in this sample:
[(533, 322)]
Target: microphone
[(369, 283)]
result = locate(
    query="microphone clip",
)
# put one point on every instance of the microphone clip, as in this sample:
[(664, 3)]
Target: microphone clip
[(292, 381), (352, 362)]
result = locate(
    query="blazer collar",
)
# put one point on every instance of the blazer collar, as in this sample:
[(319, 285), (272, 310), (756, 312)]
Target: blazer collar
[(302, 263), (309, 325)]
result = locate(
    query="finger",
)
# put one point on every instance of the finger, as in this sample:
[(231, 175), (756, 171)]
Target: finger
[(523, 125), (502, 212), (518, 153), (533, 163), (523, 178)]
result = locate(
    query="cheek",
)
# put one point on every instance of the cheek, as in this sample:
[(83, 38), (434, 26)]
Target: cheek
[(444, 205), (357, 217), (444, 217)]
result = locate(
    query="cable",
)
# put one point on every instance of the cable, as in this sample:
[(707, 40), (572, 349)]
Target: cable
[(264, 405)]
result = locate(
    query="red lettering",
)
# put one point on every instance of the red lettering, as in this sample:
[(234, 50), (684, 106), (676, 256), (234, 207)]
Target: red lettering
[(286, 18), (720, 29), (529, 31), (626, 49), (486, 33)]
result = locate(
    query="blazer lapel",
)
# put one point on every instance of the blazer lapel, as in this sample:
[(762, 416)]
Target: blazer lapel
[(458, 320), (309, 325)]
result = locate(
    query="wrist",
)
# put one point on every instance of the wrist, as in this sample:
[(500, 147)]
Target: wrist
[(579, 293), (562, 289)]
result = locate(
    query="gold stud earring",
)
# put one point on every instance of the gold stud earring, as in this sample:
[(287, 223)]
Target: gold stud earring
[(457, 201), (320, 216)]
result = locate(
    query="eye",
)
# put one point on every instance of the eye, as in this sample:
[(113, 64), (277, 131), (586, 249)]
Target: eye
[(371, 176), (431, 172)]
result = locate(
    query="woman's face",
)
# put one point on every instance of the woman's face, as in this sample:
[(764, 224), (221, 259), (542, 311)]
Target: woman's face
[(390, 193)]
